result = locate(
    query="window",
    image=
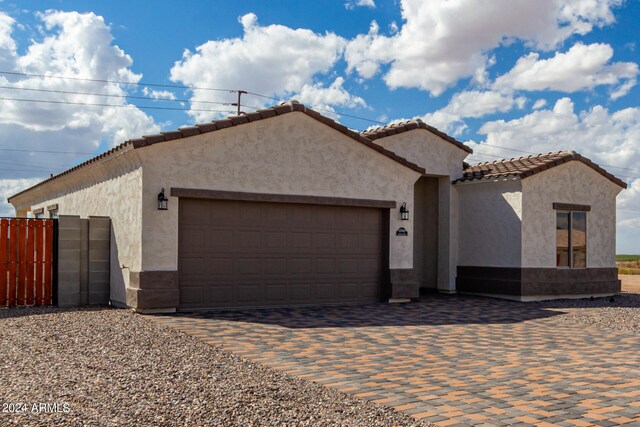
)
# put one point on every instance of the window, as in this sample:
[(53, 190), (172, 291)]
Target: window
[(571, 239), (53, 211), (38, 213)]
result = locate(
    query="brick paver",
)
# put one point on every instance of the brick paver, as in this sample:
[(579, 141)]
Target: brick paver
[(450, 360)]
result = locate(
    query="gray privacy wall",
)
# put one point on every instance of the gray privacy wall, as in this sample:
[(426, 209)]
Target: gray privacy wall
[(83, 260)]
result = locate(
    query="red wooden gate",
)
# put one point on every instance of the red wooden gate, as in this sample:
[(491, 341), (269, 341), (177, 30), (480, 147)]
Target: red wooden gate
[(26, 261)]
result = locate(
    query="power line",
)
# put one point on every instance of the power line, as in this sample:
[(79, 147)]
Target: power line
[(181, 87), (46, 151), (529, 152), (116, 81), (500, 158), (323, 110), (115, 96), (142, 107)]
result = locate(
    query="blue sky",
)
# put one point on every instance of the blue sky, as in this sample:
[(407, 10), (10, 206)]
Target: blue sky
[(508, 77)]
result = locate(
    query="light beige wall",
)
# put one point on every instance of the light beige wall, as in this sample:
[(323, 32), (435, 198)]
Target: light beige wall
[(572, 182), (288, 154), (443, 159), (437, 156), (490, 223), (108, 188)]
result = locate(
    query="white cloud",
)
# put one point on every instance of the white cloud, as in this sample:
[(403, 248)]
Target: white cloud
[(352, 4), (472, 104), (608, 138), (581, 67), (539, 104), (9, 187), (273, 60), (318, 96), (443, 41), (158, 94), (75, 45)]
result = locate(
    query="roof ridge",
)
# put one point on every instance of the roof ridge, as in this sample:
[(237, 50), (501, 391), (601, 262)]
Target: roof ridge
[(407, 125), (223, 123)]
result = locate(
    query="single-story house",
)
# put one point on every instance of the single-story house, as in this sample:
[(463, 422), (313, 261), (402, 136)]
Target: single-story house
[(285, 206)]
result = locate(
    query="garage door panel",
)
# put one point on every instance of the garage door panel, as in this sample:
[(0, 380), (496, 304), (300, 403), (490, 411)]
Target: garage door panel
[(247, 294), (325, 291), (347, 241), (277, 266), (326, 266), (275, 293), (300, 292), (192, 266), (247, 266), (219, 266), (349, 290), (192, 294), (324, 240), (301, 266), (242, 254), (219, 295), (276, 239), (193, 238), (219, 238), (301, 240), (250, 213), (250, 240), (348, 266)]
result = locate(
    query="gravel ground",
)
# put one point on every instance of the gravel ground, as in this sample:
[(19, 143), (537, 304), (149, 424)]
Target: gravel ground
[(114, 368), (623, 314)]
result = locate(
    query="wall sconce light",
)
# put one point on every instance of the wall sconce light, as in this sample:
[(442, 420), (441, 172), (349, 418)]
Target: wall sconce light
[(404, 212), (162, 201)]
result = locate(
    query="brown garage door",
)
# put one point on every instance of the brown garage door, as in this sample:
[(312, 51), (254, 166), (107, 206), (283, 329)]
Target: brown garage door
[(244, 254)]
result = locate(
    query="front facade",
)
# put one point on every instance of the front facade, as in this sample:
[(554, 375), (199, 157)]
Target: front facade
[(287, 207)]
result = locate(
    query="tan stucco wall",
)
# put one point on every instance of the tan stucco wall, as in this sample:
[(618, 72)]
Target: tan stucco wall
[(443, 159), (437, 156), (109, 188), (571, 182), (289, 154), (490, 223)]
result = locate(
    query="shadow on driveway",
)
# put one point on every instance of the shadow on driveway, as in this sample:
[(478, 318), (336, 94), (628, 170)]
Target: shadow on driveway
[(431, 310)]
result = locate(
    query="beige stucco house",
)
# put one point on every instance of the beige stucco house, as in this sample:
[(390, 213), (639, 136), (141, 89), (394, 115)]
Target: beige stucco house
[(286, 207)]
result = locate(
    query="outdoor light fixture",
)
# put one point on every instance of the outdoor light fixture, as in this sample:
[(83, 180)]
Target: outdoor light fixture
[(404, 212), (162, 201)]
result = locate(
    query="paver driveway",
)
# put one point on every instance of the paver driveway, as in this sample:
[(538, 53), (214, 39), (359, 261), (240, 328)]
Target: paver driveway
[(451, 360)]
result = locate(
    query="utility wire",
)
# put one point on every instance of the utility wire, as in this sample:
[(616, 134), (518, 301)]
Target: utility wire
[(498, 157), (45, 151), (529, 152), (321, 109), (68, 92), (180, 87), (142, 107), (11, 73), (191, 109)]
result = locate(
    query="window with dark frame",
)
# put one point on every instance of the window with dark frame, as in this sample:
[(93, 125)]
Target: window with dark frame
[(571, 239), (53, 211)]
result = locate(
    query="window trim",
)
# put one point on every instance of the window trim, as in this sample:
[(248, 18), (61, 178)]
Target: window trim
[(570, 236), (53, 211), (37, 212), (571, 207)]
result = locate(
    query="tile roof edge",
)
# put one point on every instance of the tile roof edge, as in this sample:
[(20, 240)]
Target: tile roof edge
[(118, 149), (564, 157), (394, 129), (231, 121)]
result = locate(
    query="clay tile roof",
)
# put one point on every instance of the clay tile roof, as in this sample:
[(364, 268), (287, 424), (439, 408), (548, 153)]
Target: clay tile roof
[(284, 108), (395, 128), (523, 167)]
